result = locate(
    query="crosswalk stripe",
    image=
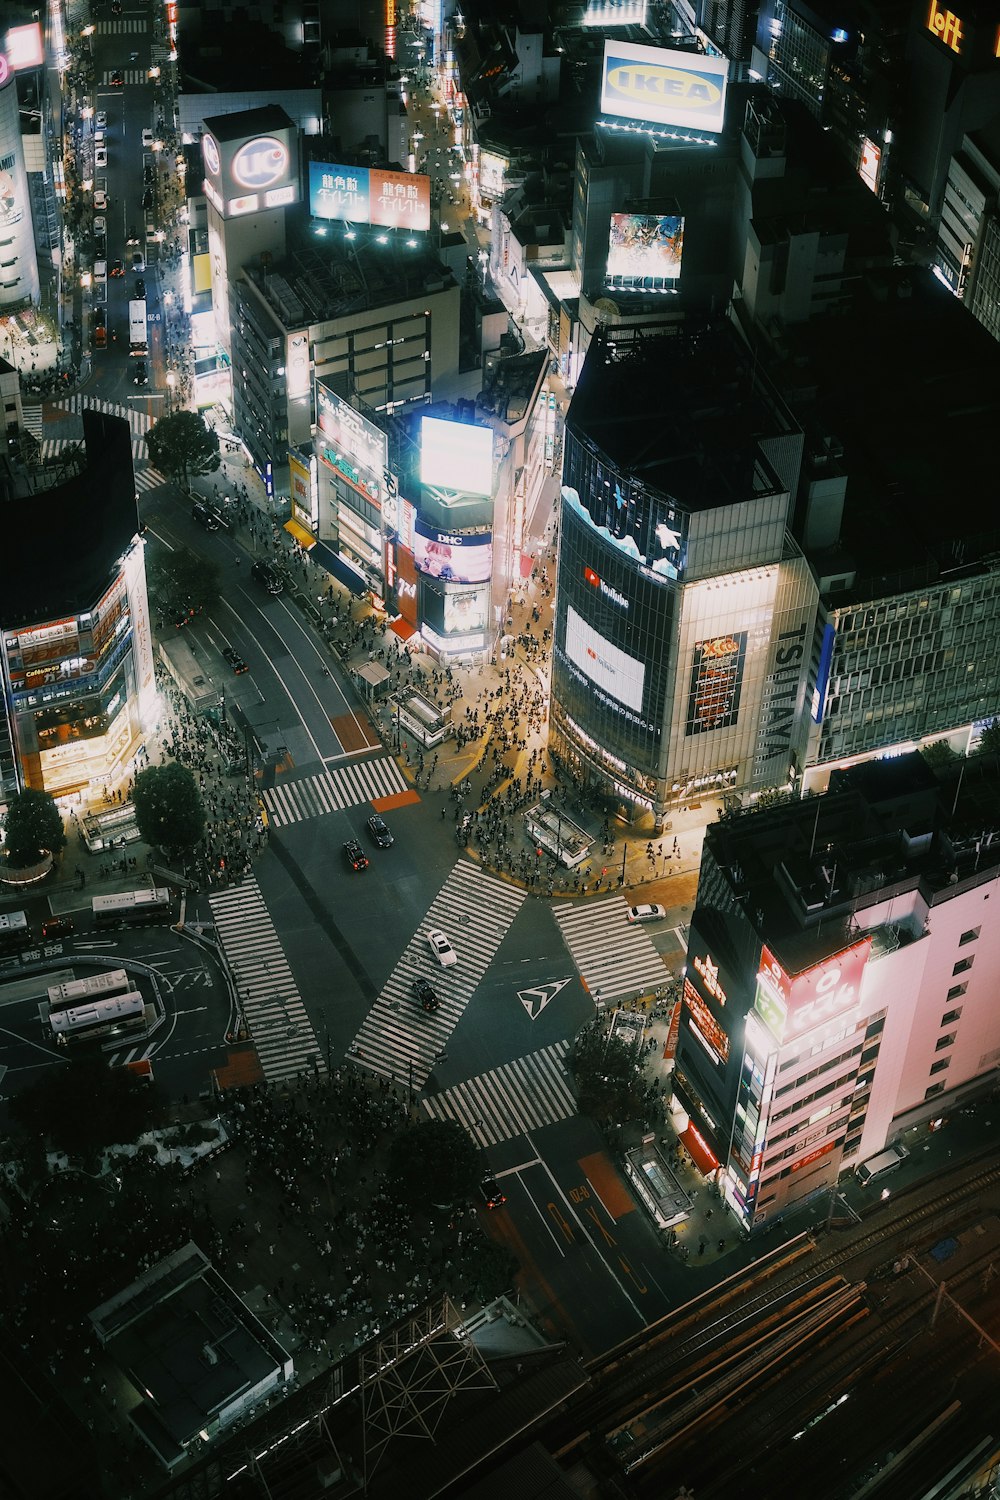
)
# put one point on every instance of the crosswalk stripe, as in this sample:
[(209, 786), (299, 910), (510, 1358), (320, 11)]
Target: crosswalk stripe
[(276, 1017), (399, 1040), (130, 75), (33, 420), (615, 960), (521, 1095), (139, 421), (130, 24), (53, 447), (333, 790), (149, 478)]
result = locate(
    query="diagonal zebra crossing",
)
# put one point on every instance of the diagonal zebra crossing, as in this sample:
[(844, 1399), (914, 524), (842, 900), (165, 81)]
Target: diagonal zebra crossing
[(518, 1096), (332, 791), (276, 1018), (397, 1038), (616, 961), (139, 421)]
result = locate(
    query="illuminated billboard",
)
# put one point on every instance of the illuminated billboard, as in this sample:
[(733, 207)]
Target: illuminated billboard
[(790, 1005), (707, 1029), (644, 249), (716, 683), (252, 173), (871, 158), (456, 456), (369, 195), (466, 611), (24, 46), (350, 444), (462, 557), (660, 86), (606, 665)]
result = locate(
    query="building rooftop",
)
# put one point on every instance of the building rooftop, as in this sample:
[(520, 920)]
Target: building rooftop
[(679, 409), (247, 122)]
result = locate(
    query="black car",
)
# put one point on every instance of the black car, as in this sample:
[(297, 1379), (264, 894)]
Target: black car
[(56, 927), (117, 268), (235, 660), (267, 574), (205, 516), (140, 289), (493, 1197), (426, 995), (355, 855), (379, 831), (132, 238), (141, 376), (147, 199), (118, 77), (98, 317)]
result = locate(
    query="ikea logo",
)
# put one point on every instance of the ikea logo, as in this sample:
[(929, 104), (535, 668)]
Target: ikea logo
[(656, 83)]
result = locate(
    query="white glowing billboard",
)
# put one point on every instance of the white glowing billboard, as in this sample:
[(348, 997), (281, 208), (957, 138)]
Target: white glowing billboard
[(661, 86), (456, 456), (607, 666)]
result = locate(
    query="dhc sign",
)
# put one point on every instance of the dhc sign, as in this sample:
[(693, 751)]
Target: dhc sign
[(664, 87)]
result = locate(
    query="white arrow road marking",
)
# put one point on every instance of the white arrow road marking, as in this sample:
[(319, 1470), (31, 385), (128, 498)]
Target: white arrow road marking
[(537, 998)]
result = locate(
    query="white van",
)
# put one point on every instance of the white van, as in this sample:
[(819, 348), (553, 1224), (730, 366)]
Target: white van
[(879, 1166)]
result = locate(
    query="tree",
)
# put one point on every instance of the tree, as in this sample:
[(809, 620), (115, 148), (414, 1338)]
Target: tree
[(434, 1162), (180, 580), (989, 739), (488, 1268), (32, 826), (168, 807), (84, 1105), (937, 754), (610, 1079), (181, 445)]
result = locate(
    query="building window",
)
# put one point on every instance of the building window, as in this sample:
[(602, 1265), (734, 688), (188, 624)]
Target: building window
[(969, 937), (935, 1088), (951, 1016), (944, 1041), (939, 1067), (956, 990), (963, 966)]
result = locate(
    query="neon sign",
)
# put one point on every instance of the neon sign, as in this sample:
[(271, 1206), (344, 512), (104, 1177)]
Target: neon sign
[(260, 163), (946, 26)]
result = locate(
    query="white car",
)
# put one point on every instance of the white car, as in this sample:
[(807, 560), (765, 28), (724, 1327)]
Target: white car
[(100, 198), (649, 912), (100, 156), (441, 948), (100, 120), (147, 139), (100, 225)]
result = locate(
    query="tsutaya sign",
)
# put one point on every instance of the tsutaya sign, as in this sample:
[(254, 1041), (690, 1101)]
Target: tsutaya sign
[(664, 87)]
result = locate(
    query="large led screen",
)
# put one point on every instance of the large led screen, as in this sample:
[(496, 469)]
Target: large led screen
[(453, 555), (716, 683), (606, 665), (466, 611), (456, 456), (663, 87), (645, 248), (369, 195)]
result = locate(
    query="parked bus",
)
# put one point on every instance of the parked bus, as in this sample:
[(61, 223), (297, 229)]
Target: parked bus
[(15, 933), (79, 991), (117, 1016), (131, 908), (137, 336), (878, 1166)]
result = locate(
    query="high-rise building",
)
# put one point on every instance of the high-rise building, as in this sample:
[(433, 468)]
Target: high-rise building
[(76, 656), (838, 993)]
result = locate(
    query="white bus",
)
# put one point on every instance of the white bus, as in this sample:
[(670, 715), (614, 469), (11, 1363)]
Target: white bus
[(117, 1016), (878, 1166), (131, 908), (96, 987), (15, 933), (137, 336)]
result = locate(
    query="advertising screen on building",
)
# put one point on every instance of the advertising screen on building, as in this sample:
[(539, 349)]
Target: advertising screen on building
[(466, 611), (369, 195), (453, 555), (644, 248), (705, 1026), (456, 456), (251, 175), (716, 683), (24, 46), (350, 444), (660, 86), (791, 1005), (871, 157), (606, 665), (492, 174)]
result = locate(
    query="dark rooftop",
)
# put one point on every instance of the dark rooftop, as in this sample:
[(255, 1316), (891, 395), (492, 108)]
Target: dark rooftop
[(247, 122)]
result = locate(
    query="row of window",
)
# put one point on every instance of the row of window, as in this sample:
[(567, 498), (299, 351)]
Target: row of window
[(825, 1067)]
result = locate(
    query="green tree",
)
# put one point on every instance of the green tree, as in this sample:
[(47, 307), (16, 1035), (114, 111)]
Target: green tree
[(33, 824), (609, 1078), (989, 739), (181, 445), (434, 1162), (83, 1105), (168, 807), (939, 753), (180, 580), (487, 1267)]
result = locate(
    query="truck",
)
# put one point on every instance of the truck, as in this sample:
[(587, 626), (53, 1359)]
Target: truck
[(137, 327)]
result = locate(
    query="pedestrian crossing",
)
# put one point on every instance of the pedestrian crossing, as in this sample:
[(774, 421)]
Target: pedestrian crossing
[(53, 447), (397, 1038), (271, 1005), (121, 25), (33, 420), (139, 421), (148, 478), (616, 961), (333, 790), (522, 1095), (130, 75)]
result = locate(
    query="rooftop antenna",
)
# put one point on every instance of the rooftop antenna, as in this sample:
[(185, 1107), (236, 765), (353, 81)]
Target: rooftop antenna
[(812, 844)]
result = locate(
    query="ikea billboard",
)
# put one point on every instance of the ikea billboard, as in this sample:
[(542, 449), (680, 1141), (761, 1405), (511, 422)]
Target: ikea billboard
[(664, 87)]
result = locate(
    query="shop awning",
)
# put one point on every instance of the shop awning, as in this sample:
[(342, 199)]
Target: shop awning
[(402, 628), (341, 569), (699, 1151), (302, 536)]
